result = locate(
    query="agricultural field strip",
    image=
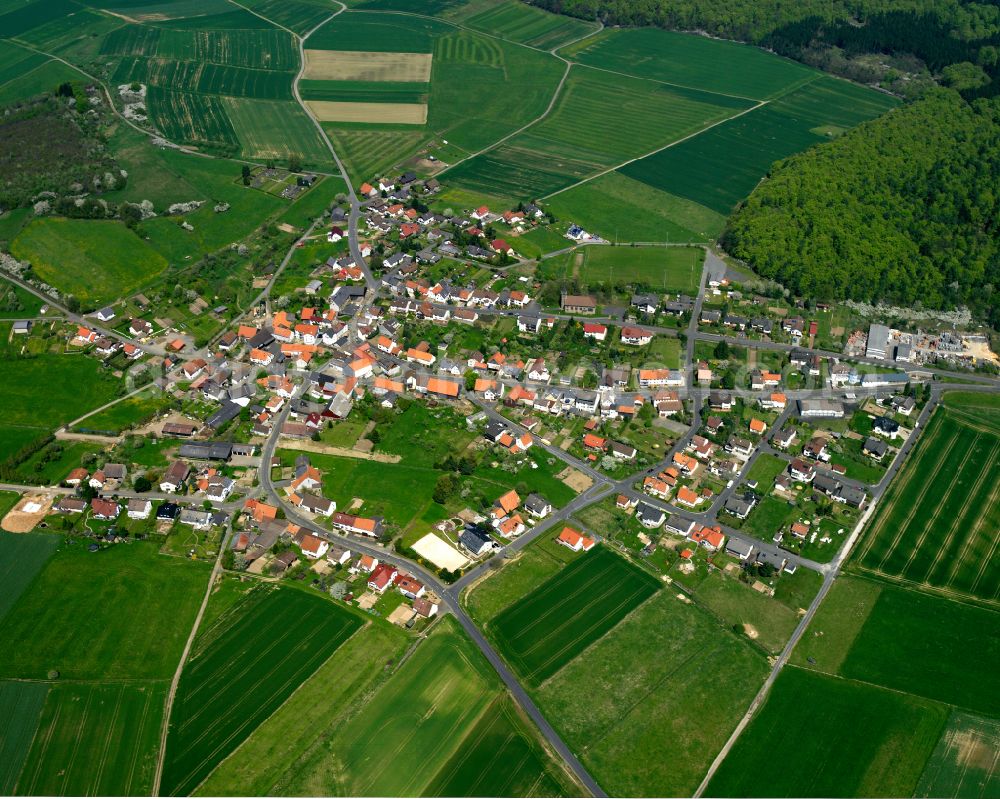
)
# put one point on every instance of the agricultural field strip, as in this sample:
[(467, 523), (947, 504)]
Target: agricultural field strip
[(971, 509), (760, 104), (873, 550), (266, 19)]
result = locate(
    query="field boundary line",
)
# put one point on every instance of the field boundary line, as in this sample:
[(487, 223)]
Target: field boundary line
[(674, 143)]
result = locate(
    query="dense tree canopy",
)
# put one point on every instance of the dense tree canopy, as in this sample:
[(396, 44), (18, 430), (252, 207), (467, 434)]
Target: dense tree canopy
[(905, 208), (832, 33)]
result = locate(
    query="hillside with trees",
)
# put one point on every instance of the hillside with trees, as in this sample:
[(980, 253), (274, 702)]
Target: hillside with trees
[(905, 209), (898, 43)]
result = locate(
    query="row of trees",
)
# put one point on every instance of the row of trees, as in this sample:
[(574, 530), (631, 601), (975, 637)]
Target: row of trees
[(905, 209)]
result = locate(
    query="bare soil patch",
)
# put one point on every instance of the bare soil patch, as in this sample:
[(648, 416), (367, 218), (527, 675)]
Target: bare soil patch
[(27, 513), (575, 479)]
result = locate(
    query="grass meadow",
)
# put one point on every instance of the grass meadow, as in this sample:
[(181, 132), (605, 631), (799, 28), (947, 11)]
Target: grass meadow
[(21, 706), (265, 647), (813, 721), (621, 209), (22, 557), (96, 260), (96, 739), (128, 413), (649, 704), (937, 527), (735, 603), (550, 626), (663, 269), (124, 612)]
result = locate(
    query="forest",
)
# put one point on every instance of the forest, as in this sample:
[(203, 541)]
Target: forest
[(905, 209), (956, 41)]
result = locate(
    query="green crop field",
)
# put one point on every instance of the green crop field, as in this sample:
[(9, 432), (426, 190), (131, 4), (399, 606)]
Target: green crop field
[(409, 738), (620, 209), (40, 80), (663, 269), (269, 129), (937, 527), (529, 25), (687, 60), (521, 80), (546, 629), (649, 705), (263, 647), (257, 49), (964, 764), (199, 119), (929, 646), (813, 721), (206, 78), (721, 166), (96, 739), (536, 564), (20, 709), (599, 121), (500, 757), (300, 17), (22, 557), (363, 91), (124, 613), (96, 260), (311, 717)]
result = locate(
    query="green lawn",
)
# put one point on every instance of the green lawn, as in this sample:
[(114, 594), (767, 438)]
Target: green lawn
[(546, 629), (815, 723), (96, 260), (265, 647), (121, 613), (96, 739), (648, 706), (764, 470)]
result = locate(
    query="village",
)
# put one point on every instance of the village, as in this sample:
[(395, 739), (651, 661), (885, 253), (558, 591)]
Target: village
[(727, 441)]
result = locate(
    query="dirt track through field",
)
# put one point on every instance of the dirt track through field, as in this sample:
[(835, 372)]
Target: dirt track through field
[(349, 65)]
